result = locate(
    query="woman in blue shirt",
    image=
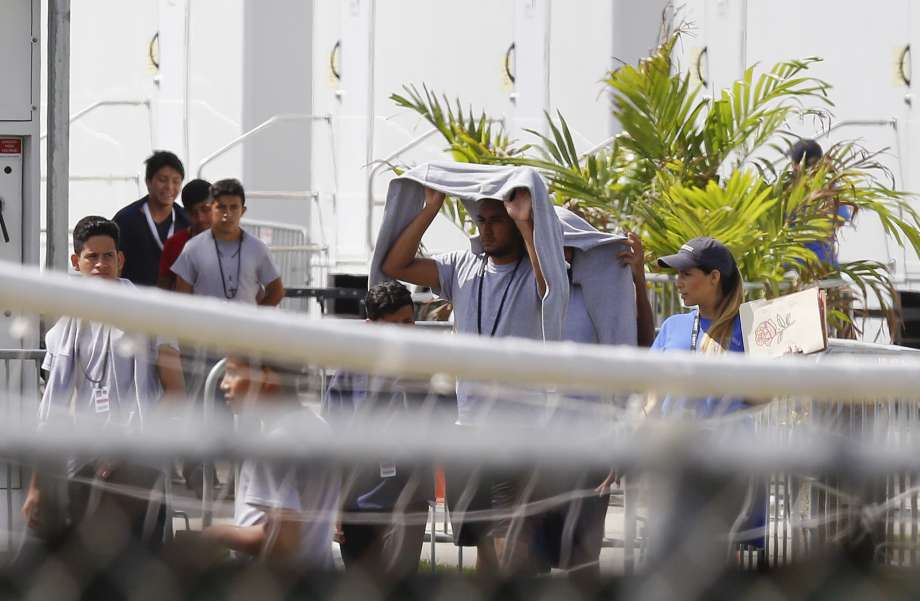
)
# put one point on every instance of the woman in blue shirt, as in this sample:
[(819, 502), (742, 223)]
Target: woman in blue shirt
[(708, 278)]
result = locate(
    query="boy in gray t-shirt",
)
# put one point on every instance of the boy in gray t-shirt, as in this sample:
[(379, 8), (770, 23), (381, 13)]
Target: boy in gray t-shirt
[(93, 383), (497, 293), (283, 511), (226, 262)]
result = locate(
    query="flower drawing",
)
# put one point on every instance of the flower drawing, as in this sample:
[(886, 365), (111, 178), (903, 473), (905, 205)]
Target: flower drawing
[(770, 332)]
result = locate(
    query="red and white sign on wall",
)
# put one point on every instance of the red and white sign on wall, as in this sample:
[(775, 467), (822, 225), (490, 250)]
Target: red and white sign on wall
[(10, 145)]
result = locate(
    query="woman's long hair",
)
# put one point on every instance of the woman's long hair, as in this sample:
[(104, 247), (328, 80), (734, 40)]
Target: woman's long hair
[(718, 338)]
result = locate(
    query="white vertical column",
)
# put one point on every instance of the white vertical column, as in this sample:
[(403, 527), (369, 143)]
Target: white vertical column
[(636, 26), (169, 104), (58, 145), (354, 123), (726, 38), (530, 98)]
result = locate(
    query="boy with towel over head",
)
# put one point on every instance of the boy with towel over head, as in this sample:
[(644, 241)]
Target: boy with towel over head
[(512, 282)]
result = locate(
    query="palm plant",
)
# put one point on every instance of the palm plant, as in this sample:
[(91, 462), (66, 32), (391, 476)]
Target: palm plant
[(687, 165)]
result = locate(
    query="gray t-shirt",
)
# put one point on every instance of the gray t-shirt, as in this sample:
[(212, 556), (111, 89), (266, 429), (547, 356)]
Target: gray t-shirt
[(246, 267), (578, 326), (460, 274), (98, 377), (309, 490)]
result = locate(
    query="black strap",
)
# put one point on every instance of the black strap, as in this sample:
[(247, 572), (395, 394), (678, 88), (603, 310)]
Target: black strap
[(695, 334), (501, 305), (220, 264), (106, 349)]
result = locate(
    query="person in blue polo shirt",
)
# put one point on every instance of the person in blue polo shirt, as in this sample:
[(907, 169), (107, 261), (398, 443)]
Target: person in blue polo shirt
[(708, 278)]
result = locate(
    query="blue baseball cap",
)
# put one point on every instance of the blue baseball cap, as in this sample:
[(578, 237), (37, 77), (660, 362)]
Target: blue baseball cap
[(704, 252)]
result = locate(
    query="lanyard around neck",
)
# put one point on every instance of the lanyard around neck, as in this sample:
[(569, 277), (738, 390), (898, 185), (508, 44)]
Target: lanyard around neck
[(501, 305), (153, 226), (231, 293), (695, 334), (106, 350)]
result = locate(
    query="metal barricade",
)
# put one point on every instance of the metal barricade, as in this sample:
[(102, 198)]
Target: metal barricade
[(208, 467), (806, 513), (20, 387), (299, 262)]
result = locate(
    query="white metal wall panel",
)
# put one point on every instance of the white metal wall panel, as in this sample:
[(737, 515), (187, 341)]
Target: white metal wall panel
[(860, 43), (16, 60)]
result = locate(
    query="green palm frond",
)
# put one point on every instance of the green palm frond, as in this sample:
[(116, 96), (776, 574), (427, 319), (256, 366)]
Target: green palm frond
[(686, 165)]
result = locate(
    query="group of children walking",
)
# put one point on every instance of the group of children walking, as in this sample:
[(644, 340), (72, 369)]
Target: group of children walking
[(533, 271)]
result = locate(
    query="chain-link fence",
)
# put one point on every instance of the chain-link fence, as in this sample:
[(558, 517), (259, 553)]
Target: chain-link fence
[(324, 459)]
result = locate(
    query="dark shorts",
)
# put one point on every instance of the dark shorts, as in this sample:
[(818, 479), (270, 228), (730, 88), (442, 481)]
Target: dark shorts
[(488, 504), (384, 550), (468, 493), (132, 497), (570, 533)]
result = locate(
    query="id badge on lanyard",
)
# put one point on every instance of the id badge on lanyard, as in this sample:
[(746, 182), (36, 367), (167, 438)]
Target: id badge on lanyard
[(101, 401)]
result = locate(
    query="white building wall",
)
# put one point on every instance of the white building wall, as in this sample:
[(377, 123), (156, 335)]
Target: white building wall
[(861, 44), (110, 61)]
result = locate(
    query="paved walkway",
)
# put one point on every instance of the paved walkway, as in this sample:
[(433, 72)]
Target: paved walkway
[(446, 555)]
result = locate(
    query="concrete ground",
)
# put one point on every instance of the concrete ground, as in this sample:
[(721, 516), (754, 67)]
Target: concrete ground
[(446, 554)]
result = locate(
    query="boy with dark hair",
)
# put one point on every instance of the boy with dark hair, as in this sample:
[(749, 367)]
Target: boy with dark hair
[(497, 292), (283, 512), (389, 302), (147, 223), (804, 156), (805, 153), (226, 262), (92, 383), (196, 199), (385, 506)]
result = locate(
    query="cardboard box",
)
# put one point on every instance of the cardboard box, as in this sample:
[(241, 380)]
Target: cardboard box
[(795, 322)]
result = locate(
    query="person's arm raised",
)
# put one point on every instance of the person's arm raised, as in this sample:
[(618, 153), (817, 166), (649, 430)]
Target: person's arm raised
[(401, 262), (633, 256), (520, 209)]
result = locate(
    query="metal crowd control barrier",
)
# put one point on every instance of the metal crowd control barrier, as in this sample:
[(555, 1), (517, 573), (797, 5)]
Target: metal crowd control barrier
[(799, 503), (207, 471), (20, 386)]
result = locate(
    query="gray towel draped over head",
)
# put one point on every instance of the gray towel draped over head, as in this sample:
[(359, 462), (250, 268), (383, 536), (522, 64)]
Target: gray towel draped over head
[(606, 283), (472, 183)]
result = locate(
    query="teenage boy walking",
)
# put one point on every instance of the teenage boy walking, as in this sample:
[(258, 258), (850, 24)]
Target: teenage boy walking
[(147, 223), (92, 383), (196, 198), (226, 262), (283, 512), (385, 506)]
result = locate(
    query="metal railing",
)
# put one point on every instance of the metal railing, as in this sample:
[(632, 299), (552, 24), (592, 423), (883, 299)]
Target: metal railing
[(106, 103), (268, 124), (382, 164)]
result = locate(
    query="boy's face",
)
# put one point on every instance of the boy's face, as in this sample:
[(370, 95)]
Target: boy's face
[(403, 316), (226, 212), (239, 384), (99, 258), (497, 232), (164, 186), (200, 216)]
